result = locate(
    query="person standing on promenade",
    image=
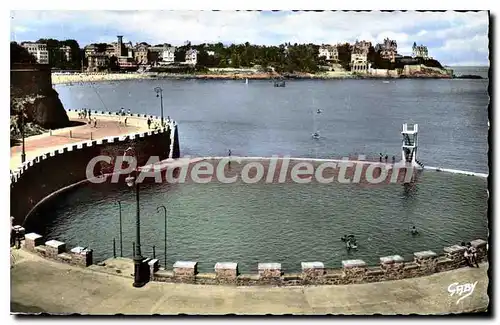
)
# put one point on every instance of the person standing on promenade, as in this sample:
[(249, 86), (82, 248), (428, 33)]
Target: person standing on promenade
[(466, 254), (380, 158), (126, 121), (386, 157), (472, 254), (128, 112), (90, 113), (149, 123), (393, 159), (95, 122)]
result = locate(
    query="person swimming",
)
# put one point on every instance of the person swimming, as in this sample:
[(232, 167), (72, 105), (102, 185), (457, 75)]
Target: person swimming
[(350, 241), (345, 238), (414, 230)]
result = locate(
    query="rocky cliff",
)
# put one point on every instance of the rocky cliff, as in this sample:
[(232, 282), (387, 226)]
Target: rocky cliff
[(32, 92)]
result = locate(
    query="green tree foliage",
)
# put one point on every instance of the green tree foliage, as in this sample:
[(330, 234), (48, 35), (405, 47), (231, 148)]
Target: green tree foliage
[(285, 58), (113, 63), (180, 54), (345, 55), (57, 58), (19, 54), (431, 63)]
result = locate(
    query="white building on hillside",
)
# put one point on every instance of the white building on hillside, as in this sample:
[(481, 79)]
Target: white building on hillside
[(168, 55), (38, 50), (191, 56), (359, 63), (420, 51), (330, 52)]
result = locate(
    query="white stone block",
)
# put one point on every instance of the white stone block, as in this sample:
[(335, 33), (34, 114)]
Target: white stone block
[(32, 236), (353, 263), (424, 254), (226, 266), (312, 265), (80, 250), (54, 243), (269, 266), (185, 264)]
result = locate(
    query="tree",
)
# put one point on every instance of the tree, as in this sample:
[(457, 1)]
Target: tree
[(344, 55), (113, 63), (180, 55), (235, 60), (76, 55)]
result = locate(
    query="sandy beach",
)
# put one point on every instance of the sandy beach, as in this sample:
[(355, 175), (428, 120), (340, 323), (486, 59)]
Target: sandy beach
[(58, 78)]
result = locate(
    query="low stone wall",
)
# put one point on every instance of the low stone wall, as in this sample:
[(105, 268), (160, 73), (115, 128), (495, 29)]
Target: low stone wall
[(313, 273), (384, 73), (56, 250), (41, 176)]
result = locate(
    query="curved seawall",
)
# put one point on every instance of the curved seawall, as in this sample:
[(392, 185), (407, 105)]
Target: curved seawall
[(52, 171), (456, 171), (438, 169)]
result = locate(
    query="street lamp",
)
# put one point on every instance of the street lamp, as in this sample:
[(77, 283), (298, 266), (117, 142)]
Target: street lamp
[(139, 270), (23, 153), (165, 232), (121, 237), (159, 93)]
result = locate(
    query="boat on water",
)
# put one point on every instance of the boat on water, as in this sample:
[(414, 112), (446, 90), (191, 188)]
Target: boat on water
[(315, 135), (386, 81), (279, 83), (319, 111)]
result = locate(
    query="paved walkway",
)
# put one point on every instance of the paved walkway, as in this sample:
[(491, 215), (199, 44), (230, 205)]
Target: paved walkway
[(41, 285), (106, 127)]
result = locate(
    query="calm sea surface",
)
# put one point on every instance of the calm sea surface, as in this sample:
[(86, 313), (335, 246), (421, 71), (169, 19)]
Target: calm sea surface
[(358, 116), (290, 223)]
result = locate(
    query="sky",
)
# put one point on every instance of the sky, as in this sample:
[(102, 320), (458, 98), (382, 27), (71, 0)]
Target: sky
[(453, 38)]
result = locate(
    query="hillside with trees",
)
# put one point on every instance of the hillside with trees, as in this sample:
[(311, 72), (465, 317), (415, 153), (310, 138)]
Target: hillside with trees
[(56, 56)]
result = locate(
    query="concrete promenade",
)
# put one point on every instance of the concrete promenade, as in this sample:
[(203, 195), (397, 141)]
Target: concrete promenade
[(42, 285), (106, 126)]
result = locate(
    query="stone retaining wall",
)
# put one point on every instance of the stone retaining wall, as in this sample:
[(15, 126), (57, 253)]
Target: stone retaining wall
[(313, 273), (43, 175)]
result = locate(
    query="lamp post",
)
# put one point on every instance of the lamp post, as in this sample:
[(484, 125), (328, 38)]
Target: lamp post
[(23, 153), (121, 237), (165, 233), (139, 279), (159, 93)]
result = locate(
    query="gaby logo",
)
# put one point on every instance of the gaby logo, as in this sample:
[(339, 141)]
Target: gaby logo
[(462, 290)]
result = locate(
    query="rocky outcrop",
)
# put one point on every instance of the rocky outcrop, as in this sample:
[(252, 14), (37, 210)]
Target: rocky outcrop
[(32, 92), (48, 111), (422, 71)]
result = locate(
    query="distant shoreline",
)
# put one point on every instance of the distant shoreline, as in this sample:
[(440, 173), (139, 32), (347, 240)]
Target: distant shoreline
[(64, 79)]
